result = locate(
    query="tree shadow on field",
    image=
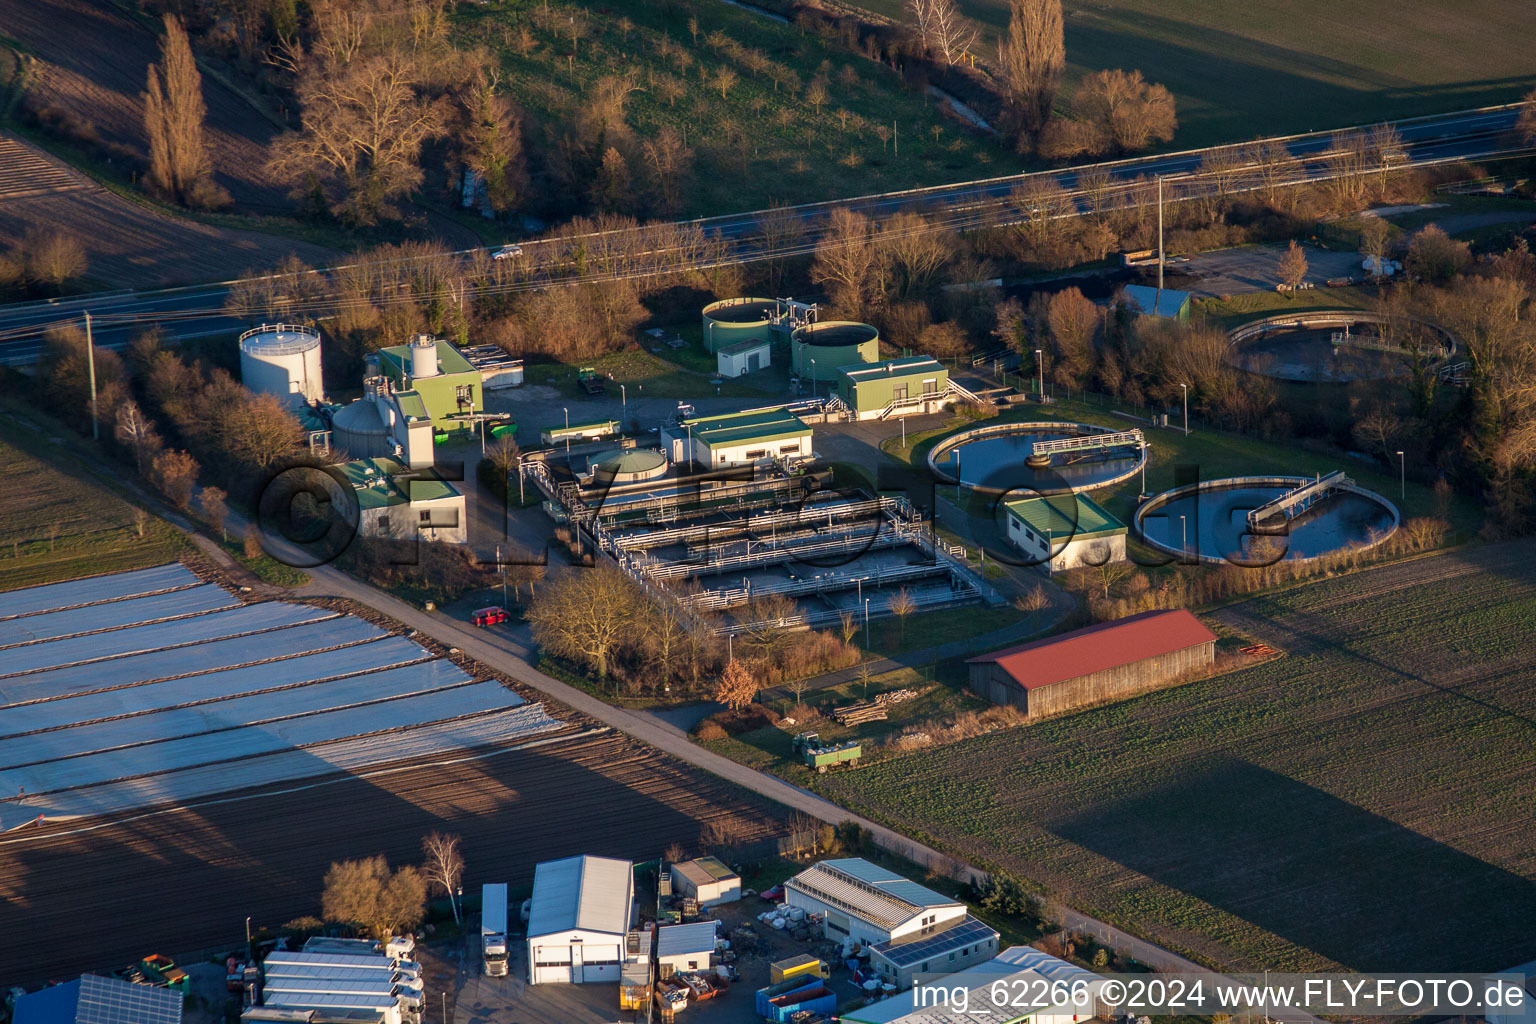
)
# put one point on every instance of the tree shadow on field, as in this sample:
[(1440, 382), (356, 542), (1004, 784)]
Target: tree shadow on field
[(186, 880), (1317, 871)]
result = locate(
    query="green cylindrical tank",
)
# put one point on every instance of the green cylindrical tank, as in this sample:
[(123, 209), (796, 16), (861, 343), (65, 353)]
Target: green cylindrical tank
[(817, 350), (731, 320)]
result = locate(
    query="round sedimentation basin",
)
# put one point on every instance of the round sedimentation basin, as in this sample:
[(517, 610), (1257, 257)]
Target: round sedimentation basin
[(1209, 521), (1001, 460), (1301, 347), (817, 350)]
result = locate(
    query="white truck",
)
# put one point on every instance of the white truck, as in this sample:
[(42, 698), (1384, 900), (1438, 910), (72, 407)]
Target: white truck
[(493, 928)]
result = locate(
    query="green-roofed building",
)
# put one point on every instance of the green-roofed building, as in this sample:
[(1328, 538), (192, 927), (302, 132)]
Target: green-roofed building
[(893, 387), (394, 501), (437, 374), (739, 438), (1065, 531)]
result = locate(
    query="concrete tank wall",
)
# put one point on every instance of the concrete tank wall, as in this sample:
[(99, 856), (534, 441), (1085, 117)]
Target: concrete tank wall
[(283, 360), (832, 343), (732, 320)]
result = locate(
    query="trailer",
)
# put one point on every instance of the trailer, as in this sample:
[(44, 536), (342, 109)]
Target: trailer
[(590, 382), (493, 928), (813, 754)]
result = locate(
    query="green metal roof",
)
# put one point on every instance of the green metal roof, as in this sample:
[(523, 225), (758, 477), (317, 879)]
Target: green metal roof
[(449, 359), (1053, 517), (743, 427), (412, 406), (384, 486), (892, 369)]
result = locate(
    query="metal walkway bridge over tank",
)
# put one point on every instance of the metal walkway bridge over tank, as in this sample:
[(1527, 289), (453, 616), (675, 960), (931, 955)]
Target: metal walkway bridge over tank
[(1294, 502)]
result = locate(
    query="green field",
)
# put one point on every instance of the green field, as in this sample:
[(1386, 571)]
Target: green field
[(1363, 801), (758, 143), (1240, 69), (57, 522)]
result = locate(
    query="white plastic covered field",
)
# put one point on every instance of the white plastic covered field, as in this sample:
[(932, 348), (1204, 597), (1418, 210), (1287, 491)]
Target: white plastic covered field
[(151, 687)]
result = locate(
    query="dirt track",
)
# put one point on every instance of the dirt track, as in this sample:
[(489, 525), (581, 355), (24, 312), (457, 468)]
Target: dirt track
[(186, 879), (128, 245)]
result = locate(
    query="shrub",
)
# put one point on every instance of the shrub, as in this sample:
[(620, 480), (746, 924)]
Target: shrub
[(709, 730)]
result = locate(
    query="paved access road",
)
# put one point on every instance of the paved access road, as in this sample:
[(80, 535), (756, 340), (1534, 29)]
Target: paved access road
[(198, 311)]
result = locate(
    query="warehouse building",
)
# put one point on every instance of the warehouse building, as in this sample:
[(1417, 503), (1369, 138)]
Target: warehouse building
[(742, 357), (707, 880), (394, 501), (907, 928), (1097, 663), (738, 439), (1024, 973), (1064, 531), (684, 947), (893, 387), (579, 919), (91, 999), (436, 371)]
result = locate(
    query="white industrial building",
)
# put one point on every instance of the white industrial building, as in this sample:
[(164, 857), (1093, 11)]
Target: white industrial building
[(707, 880), (580, 914), (907, 928), (969, 997), (738, 438), (283, 360), (743, 357), (406, 504), (685, 947)]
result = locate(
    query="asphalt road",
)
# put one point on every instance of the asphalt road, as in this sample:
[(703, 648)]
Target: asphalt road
[(197, 311)]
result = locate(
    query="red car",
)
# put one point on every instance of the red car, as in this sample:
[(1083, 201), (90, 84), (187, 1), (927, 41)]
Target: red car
[(488, 616)]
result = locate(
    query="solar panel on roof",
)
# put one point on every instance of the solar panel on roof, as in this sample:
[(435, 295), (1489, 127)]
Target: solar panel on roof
[(905, 954), (111, 1001)]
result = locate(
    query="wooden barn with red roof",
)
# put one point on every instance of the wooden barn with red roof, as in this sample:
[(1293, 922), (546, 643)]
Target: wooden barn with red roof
[(1098, 663)]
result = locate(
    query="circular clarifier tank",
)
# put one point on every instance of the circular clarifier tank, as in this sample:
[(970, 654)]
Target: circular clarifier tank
[(1329, 348), (1003, 459), (1210, 520)]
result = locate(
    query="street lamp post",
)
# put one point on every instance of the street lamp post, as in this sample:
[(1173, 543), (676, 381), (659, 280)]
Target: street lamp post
[(1183, 537), (1186, 408), (866, 623), (1402, 477), (1040, 368), (522, 494), (813, 378), (730, 647), (567, 412)]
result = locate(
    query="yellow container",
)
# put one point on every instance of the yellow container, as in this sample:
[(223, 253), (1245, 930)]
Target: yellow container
[(794, 967)]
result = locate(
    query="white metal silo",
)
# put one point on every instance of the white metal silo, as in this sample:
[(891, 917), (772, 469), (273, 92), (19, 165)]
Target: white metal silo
[(423, 356), (283, 360)]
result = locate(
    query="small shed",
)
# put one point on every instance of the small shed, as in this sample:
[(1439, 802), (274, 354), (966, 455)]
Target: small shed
[(1097, 663), (1065, 531), (742, 357), (684, 947), (707, 880), (1169, 303)]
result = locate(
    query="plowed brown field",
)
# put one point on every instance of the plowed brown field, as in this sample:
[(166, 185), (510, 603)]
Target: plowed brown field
[(186, 879)]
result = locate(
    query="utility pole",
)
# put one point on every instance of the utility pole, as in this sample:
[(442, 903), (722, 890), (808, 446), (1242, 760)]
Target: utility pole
[(1159, 240), (895, 138), (90, 362)]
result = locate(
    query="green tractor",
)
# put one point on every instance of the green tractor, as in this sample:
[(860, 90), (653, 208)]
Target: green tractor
[(821, 757)]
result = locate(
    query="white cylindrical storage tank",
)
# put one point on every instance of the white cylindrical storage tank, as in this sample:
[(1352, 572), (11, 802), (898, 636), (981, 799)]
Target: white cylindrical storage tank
[(283, 360), (424, 356)]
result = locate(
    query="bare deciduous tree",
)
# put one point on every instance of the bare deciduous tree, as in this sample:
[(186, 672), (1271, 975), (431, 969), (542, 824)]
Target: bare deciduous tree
[(916, 251), (179, 167), (901, 604), (1525, 124), (849, 262), (174, 474), (944, 31), (816, 94), (585, 615), (1293, 267), (53, 257), (1073, 319), (1130, 111), (215, 506), (443, 866), (367, 894), (669, 165), (737, 686), (493, 143), (136, 432), (1032, 56)]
